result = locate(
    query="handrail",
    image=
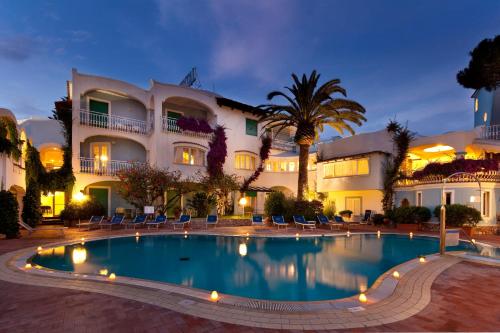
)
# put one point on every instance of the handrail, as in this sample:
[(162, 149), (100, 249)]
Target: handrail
[(105, 168), (169, 124), (491, 132), (113, 122), (488, 176)]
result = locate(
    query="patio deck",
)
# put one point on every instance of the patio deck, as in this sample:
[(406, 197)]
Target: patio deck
[(30, 308)]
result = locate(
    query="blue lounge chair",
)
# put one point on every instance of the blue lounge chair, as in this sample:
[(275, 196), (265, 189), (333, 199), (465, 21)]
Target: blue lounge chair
[(115, 220), (279, 221), (323, 220), (183, 220), (257, 220), (300, 221), (94, 221), (211, 220), (367, 217), (138, 220), (159, 220)]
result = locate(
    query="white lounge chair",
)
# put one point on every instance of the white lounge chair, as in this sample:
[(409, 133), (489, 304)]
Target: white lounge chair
[(32, 230)]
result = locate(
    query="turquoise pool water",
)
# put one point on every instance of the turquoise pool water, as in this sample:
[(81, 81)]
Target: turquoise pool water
[(285, 269)]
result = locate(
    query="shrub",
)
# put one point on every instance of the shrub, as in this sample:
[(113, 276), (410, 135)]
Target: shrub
[(32, 213), (410, 214), (9, 215), (201, 203), (378, 219), (458, 215), (309, 209), (329, 208), (82, 210), (275, 204), (461, 164)]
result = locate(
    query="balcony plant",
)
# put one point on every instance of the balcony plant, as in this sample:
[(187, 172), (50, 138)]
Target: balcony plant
[(194, 125), (346, 213), (458, 165)]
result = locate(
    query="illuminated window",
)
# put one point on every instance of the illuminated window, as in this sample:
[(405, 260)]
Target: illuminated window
[(189, 156), (268, 166), (476, 105), (347, 168), (486, 204), (245, 161), (283, 166), (51, 158), (291, 166), (485, 117), (311, 164)]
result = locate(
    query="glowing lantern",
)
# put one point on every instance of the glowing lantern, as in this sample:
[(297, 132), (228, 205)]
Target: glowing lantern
[(214, 296), (103, 271), (243, 201), (362, 298), (28, 266), (79, 255), (421, 259), (378, 233), (243, 249), (79, 196), (348, 234), (137, 234), (411, 234), (112, 276), (39, 248), (395, 274)]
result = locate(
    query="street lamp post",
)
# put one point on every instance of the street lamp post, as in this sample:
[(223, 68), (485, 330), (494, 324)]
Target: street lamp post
[(442, 225)]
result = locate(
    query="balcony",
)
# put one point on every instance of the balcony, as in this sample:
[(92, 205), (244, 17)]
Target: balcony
[(490, 132), (114, 123), (489, 177), (170, 125), (105, 168)]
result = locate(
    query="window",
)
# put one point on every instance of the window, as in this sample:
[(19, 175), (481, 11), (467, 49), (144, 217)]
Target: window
[(449, 197), (353, 167), (486, 203), (485, 117), (251, 127), (291, 166), (189, 156), (419, 199), (354, 205), (283, 166), (245, 161), (476, 104)]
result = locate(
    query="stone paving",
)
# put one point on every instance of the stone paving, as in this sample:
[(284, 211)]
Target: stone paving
[(31, 308)]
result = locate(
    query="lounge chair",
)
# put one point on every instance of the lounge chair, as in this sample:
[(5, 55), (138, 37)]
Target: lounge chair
[(279, 221), (183, 220), (32, 230), (323, 220), (300, 221), (367, 217), (139, 220), (115, 220), (159, 220), (94, 221), (257, 220), (211, 220)]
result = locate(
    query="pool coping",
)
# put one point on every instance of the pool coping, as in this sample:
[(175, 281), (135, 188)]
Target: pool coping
[(196, 301)]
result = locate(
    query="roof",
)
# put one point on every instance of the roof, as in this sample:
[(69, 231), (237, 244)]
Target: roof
[(43, 130), (222, 101)]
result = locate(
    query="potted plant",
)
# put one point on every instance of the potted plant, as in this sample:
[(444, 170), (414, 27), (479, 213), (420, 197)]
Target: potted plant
[(346, 213)]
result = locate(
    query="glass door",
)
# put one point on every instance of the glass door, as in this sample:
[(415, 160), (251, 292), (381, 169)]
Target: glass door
[(100, 154)]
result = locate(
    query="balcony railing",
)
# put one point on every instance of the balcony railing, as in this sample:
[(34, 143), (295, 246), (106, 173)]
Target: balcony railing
[(283, 145), (115, 123), (490, 132), (170, 125), (105, 168), (489, 176)]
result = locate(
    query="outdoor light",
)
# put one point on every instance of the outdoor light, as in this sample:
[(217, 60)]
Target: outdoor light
[(362, 298), (438, 148), (473, 241), (112, 276), (421, 259), (348, 234), (214, 296), (243, 201), (27, 266), (185, 232), (104, 158), (395, 274), (137, 234), (79, 255), (103, 271), (247, 234), (243, 249), (378, 233), (82, 239), (39, 248), (411, 234), (79, 196)]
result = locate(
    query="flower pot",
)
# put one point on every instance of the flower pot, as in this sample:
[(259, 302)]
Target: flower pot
[(407, 227)]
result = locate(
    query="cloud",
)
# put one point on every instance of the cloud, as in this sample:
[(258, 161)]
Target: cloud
[(17, 48), (79, 35)]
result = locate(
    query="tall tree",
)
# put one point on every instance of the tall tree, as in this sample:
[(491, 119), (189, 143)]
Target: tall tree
[(309, 108), (484, 67)]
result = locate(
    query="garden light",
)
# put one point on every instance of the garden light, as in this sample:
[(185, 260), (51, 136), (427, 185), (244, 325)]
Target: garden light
[(137, 234), (362, 298), (243, 201), (421, 259), (395, 274), (28, 266), (112, 276), (39, 249), (378, 233), (214, 296), (103, 271), (411, 234), (79, 196), (348, 234)]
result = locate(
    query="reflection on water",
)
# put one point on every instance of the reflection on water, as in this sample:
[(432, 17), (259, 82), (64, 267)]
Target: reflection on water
[(312, 268)]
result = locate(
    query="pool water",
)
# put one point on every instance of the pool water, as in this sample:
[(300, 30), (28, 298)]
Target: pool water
[(279, 268)]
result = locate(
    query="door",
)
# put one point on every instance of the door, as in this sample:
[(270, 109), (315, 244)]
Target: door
[(100, 153), (99, 112), (101, 195), (52, 204), (353, 204), (172, 118)]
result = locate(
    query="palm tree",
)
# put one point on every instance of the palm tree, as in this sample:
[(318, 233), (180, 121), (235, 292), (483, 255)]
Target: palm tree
[(309, 109)]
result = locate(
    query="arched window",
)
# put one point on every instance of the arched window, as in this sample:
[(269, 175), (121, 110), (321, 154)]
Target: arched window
[(189, 155)]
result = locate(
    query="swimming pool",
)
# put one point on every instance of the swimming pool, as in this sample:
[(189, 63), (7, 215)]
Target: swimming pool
[(271, 268)]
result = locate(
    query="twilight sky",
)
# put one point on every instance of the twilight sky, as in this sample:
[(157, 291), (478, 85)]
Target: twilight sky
[(397, 58)]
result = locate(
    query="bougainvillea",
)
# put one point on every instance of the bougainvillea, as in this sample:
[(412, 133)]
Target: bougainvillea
[(265, 149), (458, 165), (194, 125), (216, 156)]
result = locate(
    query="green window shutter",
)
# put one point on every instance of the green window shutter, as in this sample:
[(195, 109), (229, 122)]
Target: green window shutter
[(98, 106), (251, 127), (251, 194)]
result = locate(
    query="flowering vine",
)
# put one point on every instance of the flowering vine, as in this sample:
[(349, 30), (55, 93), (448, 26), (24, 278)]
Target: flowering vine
[(216, 156), (194, 125), (265, 150)]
